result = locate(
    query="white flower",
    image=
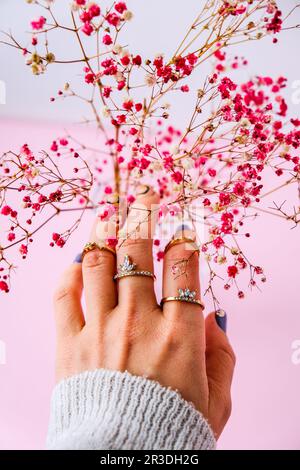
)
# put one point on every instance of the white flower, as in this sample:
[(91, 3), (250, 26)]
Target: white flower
[(150, 80), (245, 122), (125, 52), (117, 49), (175, 150), (187, 163), (157, 166), (127, 15), (105, 111), (119, 77), (136, 173)]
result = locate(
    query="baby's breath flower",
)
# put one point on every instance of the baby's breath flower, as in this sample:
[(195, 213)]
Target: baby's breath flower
[(127, 15), (105, 111), (150, 79)]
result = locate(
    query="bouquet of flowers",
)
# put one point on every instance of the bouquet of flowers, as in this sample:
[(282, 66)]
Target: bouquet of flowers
[(238, 147)]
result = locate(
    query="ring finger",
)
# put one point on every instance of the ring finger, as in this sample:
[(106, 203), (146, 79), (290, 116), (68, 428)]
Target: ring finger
[(181, 278)]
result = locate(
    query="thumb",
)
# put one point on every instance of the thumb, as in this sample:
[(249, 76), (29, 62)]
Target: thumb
[(220, 362)]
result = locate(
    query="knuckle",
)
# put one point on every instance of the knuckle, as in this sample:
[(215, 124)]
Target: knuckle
[(227, 408), (184, 251), (63, 292), (173, 338), (95, 259), (227, 354), (136, 241), (231, 354)]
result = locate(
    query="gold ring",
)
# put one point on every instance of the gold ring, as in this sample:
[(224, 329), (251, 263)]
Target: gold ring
[(128, 268), (91, 246), (184, 295), (179, 241), (178, 299)]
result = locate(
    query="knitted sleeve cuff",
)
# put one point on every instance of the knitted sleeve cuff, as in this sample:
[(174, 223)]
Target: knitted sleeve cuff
[(104, 410)]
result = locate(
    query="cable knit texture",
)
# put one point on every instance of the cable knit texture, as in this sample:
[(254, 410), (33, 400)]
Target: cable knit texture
[(104, 410)]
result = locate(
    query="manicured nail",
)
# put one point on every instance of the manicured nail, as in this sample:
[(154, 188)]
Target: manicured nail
[(221, 319), (142, 189), (185, 231), (182, 228), (78, 258)]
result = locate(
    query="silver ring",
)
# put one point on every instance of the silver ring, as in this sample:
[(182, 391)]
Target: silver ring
[(128, 268)]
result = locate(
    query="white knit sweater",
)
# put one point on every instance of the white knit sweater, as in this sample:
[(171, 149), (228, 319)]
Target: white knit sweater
[(104, 410)]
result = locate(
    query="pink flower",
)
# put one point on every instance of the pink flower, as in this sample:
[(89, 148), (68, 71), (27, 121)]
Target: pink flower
[(89, 77), (130, 199), (185, 88), (11, 236), (94, 10), (112, 242), (54, 146), (23, 250), (107, 91), (107, 40), (87, 28), (4, 286), (113, 19), (232, 271), (212, 172), (177, 177), (6, 210), (120, 7), (38, 24), (125, 60), (137, 60), (128, 105), (108, 190), (218, 242)]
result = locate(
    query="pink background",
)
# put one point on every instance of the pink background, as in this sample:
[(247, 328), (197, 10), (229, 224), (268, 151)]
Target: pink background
[(266, 411), (262, 328)]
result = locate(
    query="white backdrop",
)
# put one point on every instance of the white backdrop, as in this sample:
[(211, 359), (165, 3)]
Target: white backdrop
[(157, 26)]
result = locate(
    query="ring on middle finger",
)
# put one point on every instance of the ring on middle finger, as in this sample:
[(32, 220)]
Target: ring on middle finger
[(128, 268)]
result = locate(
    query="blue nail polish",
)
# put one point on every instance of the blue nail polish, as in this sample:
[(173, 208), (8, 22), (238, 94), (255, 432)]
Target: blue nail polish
[(221, 319), (78, 259)]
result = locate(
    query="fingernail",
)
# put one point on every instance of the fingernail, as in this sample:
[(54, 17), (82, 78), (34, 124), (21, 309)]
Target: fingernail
[(78, 258), (185, 230), (142, 189), (221, 319), (182, 227)]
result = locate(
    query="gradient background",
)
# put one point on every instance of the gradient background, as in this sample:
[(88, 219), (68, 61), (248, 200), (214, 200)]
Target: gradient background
[(262, 328)]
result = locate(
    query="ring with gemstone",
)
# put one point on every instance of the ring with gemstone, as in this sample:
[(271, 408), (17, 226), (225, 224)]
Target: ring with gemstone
[(128, 268), (184, 295)]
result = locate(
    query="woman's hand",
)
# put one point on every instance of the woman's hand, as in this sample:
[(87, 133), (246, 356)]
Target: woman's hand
[(124, 328)]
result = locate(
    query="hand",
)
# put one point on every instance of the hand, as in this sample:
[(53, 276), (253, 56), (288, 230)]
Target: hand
[(124, 328)]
